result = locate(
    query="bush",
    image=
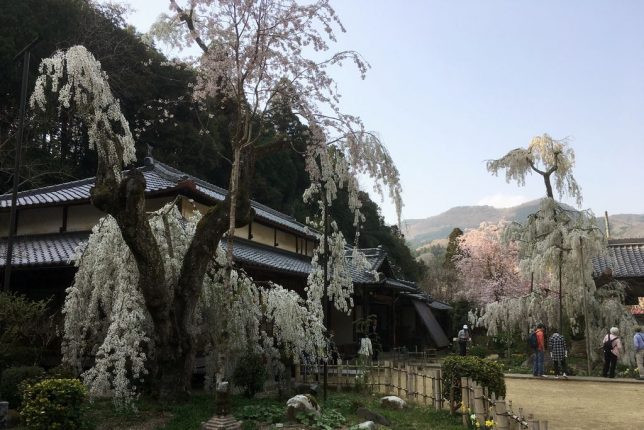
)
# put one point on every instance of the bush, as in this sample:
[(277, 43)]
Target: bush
[(12, 379), (53, 404), (487, 373), (478, 351), (250, 374)]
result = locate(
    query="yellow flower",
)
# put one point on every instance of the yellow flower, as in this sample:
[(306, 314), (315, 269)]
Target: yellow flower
[(489, 424)]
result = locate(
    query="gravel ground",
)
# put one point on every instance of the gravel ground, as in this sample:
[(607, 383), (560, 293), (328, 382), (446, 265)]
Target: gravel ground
[(579, 404)]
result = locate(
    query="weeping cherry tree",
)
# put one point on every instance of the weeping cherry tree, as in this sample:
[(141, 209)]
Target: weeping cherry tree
[(557, 245), (153, 289)]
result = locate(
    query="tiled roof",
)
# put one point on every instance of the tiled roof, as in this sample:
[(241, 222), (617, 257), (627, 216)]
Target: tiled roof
[(625, 257), (158, 177), (42, 250), (58, 249)]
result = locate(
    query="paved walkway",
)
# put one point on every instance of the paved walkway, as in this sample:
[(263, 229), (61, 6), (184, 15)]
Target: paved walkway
[(579, 402)]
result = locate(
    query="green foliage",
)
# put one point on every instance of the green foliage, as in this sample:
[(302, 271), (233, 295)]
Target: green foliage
[(11, 381), (458, 314), (487, 373), (477, 351), (26, 328), (250, 374), (328, 419), (54, 404), (453, 248), (260, 413)]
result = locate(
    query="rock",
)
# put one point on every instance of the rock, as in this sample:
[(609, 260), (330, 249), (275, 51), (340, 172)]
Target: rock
[(301, 403), (369, 425), (493, 357), (393, 402), (372, 416)]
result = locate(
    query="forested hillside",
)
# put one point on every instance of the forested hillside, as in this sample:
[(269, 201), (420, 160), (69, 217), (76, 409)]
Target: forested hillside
[(154, 97)]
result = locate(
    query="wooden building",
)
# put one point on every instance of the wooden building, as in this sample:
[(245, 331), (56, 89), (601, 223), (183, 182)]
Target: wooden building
[(624, 261), (52, 222)]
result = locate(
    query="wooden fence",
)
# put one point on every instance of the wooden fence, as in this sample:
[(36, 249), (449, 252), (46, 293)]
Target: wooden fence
[(423, 385)]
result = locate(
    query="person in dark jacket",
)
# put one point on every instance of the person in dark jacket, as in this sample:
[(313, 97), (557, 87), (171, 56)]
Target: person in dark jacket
[(558, 353)]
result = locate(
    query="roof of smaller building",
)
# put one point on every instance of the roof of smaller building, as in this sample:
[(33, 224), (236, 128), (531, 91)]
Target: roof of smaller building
[(625, 257), (159, 177)]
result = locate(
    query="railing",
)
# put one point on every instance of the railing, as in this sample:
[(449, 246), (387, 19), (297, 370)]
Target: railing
[(422, 384)]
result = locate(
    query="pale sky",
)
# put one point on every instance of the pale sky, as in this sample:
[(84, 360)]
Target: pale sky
[(455, 83)]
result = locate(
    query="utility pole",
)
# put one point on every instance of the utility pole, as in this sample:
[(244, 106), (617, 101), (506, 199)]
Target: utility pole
[(25, 54), (586, 322)]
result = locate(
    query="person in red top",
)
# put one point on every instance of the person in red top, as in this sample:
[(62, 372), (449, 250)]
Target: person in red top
[(538, 368)]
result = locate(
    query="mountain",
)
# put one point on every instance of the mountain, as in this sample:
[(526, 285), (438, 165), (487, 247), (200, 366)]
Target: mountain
[(419, 232)]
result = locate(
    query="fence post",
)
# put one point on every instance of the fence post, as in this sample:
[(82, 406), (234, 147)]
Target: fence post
[(399, 385), (424, 388), (543, 425), (465, 400), (479, 406), (501, 414), (436, 390)]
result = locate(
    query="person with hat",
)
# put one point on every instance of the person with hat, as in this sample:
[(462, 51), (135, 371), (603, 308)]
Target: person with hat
[(463, 338)]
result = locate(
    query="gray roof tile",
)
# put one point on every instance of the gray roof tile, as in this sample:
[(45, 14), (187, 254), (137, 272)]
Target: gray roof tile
[(158, 177), (625, 257), (58, 249)]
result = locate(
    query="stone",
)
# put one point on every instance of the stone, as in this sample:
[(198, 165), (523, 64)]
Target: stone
[(393, 402), (368, 425), (222, 423), (372, 416), (493, 357), (305, 403)]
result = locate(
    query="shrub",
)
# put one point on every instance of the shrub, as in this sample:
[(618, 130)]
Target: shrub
[(487, 373), (27, 329), (478, 351), (250, 374), (53, 404), (12, 379)]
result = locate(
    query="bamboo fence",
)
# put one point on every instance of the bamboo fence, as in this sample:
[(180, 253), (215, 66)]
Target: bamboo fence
[(422, 384)]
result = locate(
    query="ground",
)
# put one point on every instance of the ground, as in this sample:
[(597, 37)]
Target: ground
[(579, 403)]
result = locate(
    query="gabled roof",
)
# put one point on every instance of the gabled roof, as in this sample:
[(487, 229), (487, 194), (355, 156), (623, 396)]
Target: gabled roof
[(625, 257), (159, 178)]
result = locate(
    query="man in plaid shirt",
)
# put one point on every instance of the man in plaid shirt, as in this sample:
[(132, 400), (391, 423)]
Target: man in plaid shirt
[(558, 352)]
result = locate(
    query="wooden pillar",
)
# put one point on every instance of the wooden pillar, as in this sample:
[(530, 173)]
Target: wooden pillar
[(501, 414), (465, 400), (436, 390), (479, 405)]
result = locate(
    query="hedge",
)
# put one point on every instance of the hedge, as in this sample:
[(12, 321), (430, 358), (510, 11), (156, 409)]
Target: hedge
[(487, 373)]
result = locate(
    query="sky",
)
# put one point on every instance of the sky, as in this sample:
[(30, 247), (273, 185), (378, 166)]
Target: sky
[(455, 83)]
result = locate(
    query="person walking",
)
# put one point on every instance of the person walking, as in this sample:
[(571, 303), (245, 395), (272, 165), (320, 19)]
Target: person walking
[(463, 338), (558, 353), (539, 347), (612, 347), (638, 346)]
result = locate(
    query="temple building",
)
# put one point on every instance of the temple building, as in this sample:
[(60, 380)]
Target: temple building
[(53, 222)]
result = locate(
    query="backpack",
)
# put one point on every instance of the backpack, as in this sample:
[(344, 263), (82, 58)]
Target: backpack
[(608, 345), (532, 340)]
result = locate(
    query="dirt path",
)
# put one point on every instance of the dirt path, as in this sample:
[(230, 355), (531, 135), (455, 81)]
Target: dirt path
[(579, 404)]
